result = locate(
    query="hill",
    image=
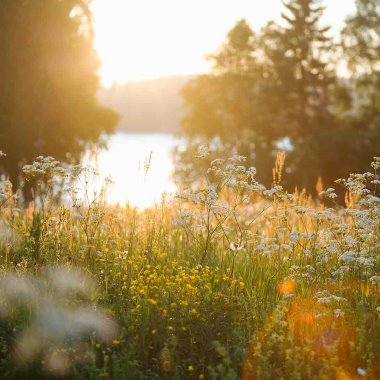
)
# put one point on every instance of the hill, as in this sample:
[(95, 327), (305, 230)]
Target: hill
[(147, 106)]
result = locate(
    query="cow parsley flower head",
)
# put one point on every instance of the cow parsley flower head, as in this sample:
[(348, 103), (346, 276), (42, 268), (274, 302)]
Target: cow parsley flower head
[(328, 194), (374, 280), (236, 247), (236, 158), (203, 151), (361, 372), (338, 313), (217, 161), (376, 163)]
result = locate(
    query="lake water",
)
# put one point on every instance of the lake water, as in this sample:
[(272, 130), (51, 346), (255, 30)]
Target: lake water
[(140, 166)]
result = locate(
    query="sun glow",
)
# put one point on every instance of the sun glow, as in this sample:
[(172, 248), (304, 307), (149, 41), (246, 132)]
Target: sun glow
[(140, 167), (146, 39)]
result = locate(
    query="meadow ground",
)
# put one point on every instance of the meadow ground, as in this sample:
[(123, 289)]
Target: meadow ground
[(229, 280)]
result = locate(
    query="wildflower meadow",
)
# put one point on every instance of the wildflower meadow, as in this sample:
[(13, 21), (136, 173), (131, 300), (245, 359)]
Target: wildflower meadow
[(227, 279)]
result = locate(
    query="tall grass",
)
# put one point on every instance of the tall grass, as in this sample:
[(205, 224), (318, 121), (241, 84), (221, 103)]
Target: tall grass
[(230, 280)]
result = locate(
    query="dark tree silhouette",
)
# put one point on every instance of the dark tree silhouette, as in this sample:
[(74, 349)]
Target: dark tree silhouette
[(48, 81), (282, 83), (230, 102)]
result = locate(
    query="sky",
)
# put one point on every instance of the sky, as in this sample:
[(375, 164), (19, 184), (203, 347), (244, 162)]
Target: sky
[(145, 39)]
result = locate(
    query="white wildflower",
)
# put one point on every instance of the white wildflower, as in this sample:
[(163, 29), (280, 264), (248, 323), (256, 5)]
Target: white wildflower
[(372, 199), (203, 151), (376, 163), (237, 158), (329, 193), (246, 199), (217, 161), (364, 261), (330, 299), (361, 372), (293, 237), (236, 247), (338, 313), (374, 280), (300, 209), (347, 257)]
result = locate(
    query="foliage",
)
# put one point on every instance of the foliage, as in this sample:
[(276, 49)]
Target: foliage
[(361, 42), (298, 54), (48, 77), (229, 103), (280, 87), (361, 36)]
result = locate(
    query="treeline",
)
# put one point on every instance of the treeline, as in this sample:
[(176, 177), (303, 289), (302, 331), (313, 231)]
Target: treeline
[(292, 86)]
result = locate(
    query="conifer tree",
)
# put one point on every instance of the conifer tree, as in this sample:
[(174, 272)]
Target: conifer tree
[(303, 83), (361, 43), (361, 38), (230, 103)]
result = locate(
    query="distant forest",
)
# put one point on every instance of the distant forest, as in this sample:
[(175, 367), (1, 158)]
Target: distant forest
[(147, 106)]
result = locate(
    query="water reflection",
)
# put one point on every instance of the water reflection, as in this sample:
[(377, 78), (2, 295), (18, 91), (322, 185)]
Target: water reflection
[(140, 165)]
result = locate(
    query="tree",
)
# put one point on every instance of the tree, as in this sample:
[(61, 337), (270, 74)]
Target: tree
[(361, 43), (229, 103), (219, 103), (270, 86), (281, 85), (296, 51), (361, 37), (48, 81), (304, 83)]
